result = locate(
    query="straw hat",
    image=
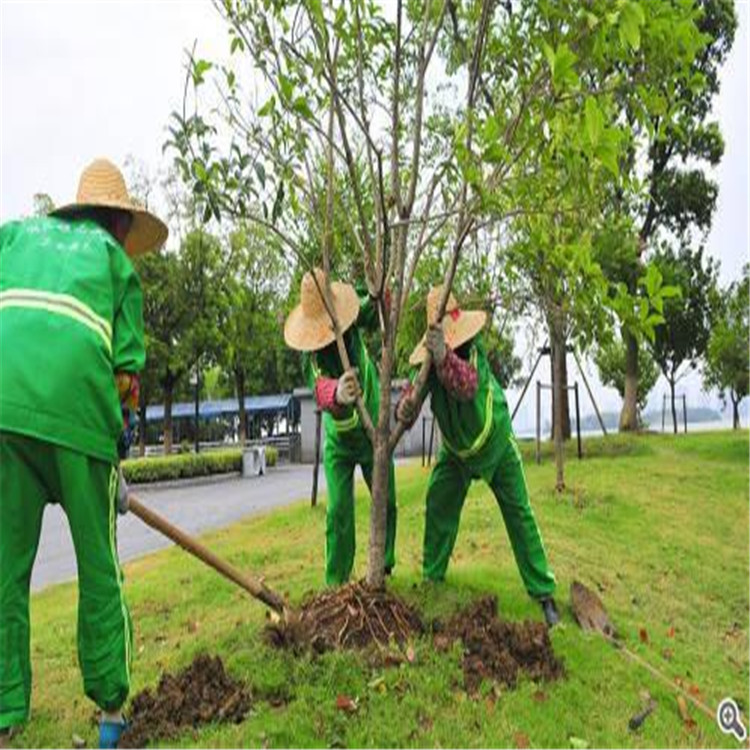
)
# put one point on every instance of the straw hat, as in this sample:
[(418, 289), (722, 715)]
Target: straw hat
[(309, 326), (102, 185), (459, 326)]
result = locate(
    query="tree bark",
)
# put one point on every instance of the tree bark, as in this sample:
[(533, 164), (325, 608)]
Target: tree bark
[(674, 407), (239, 379), (629, 415), (555, 343), (168, 417), (735, 412), (558, 359)]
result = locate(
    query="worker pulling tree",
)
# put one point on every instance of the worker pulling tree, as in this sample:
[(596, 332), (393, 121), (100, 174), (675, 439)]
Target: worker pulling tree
[(478, 443), (309, 329), (71, 348)]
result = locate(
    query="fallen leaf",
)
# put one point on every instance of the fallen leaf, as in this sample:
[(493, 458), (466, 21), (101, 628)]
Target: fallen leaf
[(577, 743), (694, 690), (643, 635), (78, 741), (521, 740), (410, 655), (670, 632), (193, 626), (539, 696), (667, 653), (345, 703), (442, 642), (684, 713)]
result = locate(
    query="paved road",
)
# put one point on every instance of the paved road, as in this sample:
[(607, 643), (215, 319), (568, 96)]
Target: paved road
[(195, 509)]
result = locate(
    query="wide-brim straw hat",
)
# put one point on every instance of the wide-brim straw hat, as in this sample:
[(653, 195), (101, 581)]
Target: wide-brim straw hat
[(103, 186), (309, 327), (459, 326)]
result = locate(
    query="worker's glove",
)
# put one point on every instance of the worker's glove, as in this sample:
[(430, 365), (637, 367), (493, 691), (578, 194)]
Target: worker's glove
[(435, 343), (347, 388), (122, 494), (407, 411)]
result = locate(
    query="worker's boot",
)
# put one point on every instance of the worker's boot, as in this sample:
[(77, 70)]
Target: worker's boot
[(110, 732), (551, 615), (6, 735)]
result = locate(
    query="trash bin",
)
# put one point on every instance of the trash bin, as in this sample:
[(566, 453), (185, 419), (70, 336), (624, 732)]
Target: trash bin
[(254, 461)]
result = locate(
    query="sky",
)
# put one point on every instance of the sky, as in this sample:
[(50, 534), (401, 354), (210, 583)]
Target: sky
[(94, 78)]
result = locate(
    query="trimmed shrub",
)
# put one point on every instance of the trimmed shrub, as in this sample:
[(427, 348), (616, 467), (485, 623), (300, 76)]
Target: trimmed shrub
[(185, 465)]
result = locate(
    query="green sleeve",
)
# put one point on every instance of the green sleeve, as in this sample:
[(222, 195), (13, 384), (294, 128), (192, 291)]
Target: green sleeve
[(7, 231), (128, 348)]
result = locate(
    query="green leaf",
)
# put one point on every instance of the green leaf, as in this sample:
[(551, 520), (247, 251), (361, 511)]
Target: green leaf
[(278, 203), (260, 170), (287, 87), (301, 107), (267, 108), (631, 20), (200, 68), (237, 44), (594, 121)]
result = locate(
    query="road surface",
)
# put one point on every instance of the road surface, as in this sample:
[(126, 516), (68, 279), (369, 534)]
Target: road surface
[(195, 509)]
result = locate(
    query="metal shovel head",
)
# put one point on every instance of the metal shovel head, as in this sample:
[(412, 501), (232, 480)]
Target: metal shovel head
[(589, 611)]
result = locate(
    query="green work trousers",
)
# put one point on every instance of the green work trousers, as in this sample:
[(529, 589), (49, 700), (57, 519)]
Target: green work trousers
[(446, 492), (32, 474), (341, 456)]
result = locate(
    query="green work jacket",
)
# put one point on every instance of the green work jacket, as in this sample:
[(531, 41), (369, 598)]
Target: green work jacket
[(71, 315), (473, 431), (346, 429)]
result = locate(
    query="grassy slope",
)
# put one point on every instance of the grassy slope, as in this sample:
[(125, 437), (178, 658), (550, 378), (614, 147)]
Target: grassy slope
[(660, 524)]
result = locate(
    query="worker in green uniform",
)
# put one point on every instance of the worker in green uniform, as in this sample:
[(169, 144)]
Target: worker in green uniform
[(71, 346), (478, 443), (309, 329)]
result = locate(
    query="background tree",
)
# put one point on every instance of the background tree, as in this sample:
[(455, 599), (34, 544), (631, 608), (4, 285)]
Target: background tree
[(674, 142), (43, 204), (727, 356), (683, 337), (609, 357)]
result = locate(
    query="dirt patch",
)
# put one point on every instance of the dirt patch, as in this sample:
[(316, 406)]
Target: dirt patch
[(497, 650), (351, 616), (201, 693)]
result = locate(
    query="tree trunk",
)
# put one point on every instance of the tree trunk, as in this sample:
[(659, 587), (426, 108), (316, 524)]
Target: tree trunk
[(558, 363), (629, 415), (735, 412), (142, 426), (239, 377), (168, 418), (674, 407), (556, 343), (380, 477)]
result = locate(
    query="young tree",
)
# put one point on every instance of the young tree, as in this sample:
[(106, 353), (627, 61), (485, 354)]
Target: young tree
[(442, 145), (727, 356), (683, 337)]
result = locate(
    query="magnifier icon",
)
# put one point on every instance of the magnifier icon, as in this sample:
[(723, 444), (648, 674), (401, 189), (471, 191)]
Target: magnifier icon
[(729, 721)]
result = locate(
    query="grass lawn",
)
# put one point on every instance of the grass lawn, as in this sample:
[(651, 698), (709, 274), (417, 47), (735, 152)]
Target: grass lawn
[(658, 524)]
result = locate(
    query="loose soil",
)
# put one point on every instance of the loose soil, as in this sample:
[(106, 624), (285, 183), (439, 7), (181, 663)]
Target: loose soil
[(201, 693), (351, 616), (496, 650)]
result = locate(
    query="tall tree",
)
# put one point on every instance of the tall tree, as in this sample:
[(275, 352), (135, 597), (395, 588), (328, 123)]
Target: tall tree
[(675, 141), (727, 356), (684, 335)]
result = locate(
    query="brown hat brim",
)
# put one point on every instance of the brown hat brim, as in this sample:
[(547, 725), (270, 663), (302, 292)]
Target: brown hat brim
[(310, 334), (457, 332), (147, 232)]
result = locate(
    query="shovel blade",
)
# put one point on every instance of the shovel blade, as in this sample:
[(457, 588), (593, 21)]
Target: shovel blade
[(589, 611)]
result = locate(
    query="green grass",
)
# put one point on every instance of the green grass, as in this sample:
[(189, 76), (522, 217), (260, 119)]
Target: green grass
[(658, 524)]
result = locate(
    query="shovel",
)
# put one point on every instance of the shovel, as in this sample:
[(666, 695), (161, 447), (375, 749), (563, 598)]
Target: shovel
[(253, 586), (590, 614)]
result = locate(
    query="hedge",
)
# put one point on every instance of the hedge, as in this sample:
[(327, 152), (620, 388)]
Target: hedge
[(185, 465)]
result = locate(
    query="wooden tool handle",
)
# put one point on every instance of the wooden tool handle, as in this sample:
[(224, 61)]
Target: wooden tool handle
[(253, 586)]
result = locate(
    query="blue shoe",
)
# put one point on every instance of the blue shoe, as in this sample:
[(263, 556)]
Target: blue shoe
[(110, 733)]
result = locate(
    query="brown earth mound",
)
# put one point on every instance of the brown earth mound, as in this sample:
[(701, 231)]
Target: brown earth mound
[(351, 616), (199, 694), (496, 650)]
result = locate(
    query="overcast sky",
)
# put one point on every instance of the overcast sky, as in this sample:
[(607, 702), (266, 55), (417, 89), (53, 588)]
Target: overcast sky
[(100, 78)]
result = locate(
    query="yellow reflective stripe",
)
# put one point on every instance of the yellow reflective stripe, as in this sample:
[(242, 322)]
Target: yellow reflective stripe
[(60, 304), (344, 425), (478, 444), (114, 483)]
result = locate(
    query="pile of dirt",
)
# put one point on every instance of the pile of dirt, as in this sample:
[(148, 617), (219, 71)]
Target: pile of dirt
[(199, 694), (497, 650), (351, 616)]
